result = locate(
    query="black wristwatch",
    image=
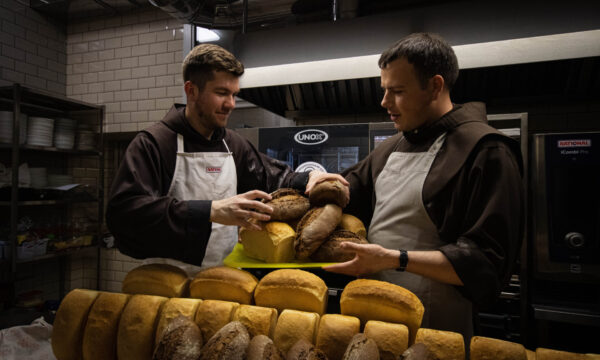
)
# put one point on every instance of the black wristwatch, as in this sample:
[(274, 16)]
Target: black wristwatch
[(403, 260)]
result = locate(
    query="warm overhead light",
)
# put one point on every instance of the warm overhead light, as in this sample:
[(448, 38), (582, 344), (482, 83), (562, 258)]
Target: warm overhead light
[(206, 35)]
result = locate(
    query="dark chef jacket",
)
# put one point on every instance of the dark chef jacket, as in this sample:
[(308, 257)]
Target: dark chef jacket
[(146, 222), (473, 193)]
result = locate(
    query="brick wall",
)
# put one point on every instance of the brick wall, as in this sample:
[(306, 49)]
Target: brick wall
[(33, 49), (130, 63)]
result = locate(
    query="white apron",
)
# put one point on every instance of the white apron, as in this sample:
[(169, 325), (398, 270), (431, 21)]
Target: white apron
[(204, 176), (400, 221)]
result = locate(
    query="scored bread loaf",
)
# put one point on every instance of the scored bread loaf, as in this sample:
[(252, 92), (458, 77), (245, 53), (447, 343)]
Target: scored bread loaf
[(418, 351), (69, 323), (328, 192), (352, 223), (294, 325), (156, 279), (292, 289), (330, 250), (305, 350), (173, 308), (361, 348), (484, 348), (180, 340), (379, 300), (212, 315), (446, 345), (549, 354), (100, 334), (391, 339), (135, 336), (262, 348), (314, 228), (273, 244), (223, 283), (257, 319), (335, 333), (287, 204), (229, 343)]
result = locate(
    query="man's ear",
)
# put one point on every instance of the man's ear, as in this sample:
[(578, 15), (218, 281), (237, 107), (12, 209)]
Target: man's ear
[(437, 86), (190, 89)]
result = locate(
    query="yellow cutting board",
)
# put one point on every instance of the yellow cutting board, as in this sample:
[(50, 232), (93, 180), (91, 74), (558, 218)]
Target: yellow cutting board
[(238, 259)]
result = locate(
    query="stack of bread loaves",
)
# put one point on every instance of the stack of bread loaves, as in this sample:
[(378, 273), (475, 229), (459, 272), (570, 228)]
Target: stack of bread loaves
[(305, 229)]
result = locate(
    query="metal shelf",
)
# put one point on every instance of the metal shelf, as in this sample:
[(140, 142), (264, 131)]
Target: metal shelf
[(52, 149), (49, 202), (56, 254)]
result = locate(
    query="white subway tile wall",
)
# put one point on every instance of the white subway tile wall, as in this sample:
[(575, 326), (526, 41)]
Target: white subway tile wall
[(130, 63)]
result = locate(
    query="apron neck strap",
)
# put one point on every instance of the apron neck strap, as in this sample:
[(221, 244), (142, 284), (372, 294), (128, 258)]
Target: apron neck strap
[(226, 147)]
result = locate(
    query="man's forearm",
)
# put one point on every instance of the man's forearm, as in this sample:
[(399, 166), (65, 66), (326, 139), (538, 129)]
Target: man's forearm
[(431, 264)]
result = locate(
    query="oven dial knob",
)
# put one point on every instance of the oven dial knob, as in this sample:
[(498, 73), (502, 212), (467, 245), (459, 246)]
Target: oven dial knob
[(575, 240)]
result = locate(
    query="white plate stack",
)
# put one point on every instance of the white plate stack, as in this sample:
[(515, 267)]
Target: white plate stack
[(55, 180), (6, 127), (86, 138), (39, 131), (64, 133), (39, 177)]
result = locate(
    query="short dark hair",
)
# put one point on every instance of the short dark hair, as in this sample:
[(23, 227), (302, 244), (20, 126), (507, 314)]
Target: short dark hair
[(204, 60), (429, 53)]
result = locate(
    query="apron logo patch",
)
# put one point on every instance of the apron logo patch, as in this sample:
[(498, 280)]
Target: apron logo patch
[(210, 169)]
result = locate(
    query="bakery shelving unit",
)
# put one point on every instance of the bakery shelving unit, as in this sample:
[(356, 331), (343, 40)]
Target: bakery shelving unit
[(62, 205)]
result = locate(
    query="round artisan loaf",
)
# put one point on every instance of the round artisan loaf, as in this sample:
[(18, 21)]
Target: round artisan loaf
[(335, 333), (391, 339), (223, 283), (287, 204), (156, 279), (258, 320), (417, 352), (180, 340), (174, 308), (292, 289), (379, 300), (135, 336), (229, 343), (304, 350), (330, 250), (361, 348), (314, 228), (484, 348), (352, 223), (294, 325), (273, 244), (69, 323), (446, 345), (328, 192), (212, 315), (549, 354), (100, 334), (262, 348)]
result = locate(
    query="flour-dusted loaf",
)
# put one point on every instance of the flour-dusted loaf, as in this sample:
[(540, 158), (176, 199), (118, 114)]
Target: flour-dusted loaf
[(335, 333), (361, 348), (173, 308), (180, 340), (294, 325), (485, 348), (273, 244), (314, 228), (330, 250), (69, 323), (292, 289), (328, 192), (352, 223), (223, 283), (287, 204), (137, 327), (100, 334), (257, 319), (549, 354), (229, 343), (305, 350), (156, 279), (446, 345), (379, 300), (212, 315), (418, 351), (262, 348), (391, 338)]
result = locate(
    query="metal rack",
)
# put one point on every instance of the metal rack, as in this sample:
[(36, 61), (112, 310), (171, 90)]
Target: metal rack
[(33, 102)]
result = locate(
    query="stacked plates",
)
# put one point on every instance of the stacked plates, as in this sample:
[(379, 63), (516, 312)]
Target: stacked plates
[(86, 138), (39, 177), (55, 180), (64, 133), (6, 127), (39, 131)]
